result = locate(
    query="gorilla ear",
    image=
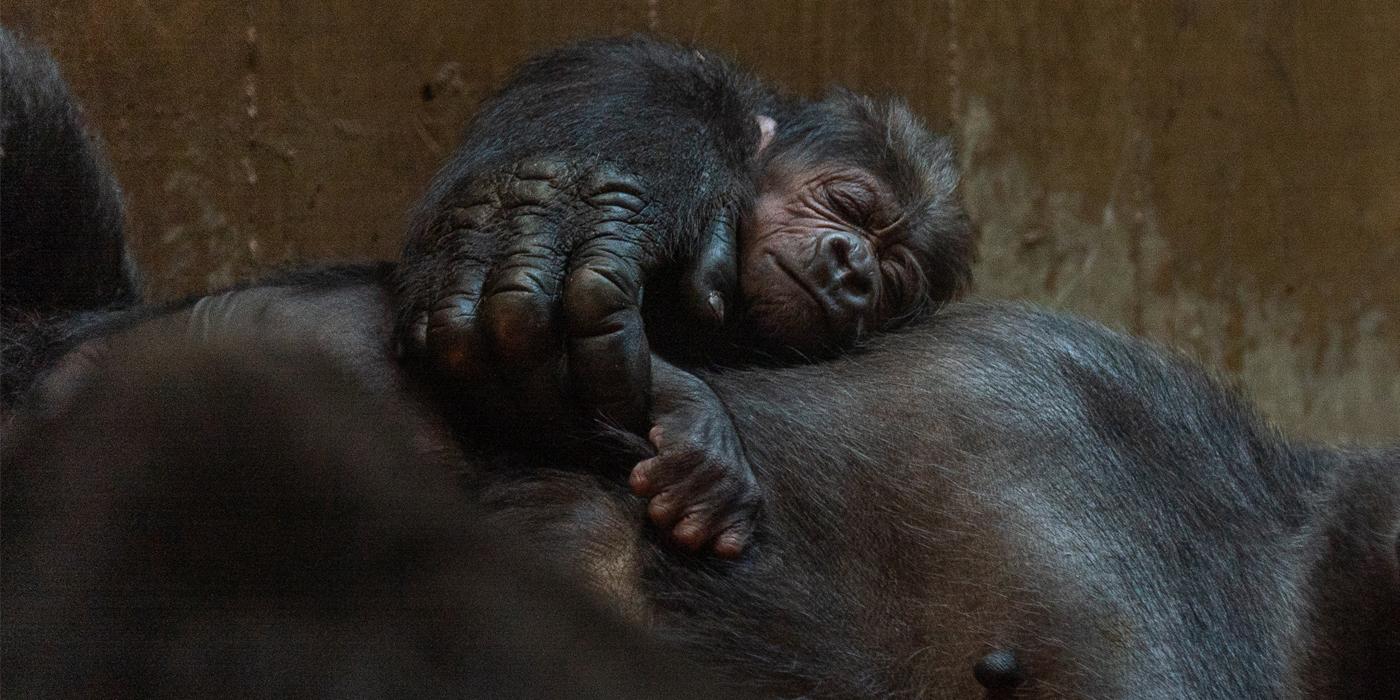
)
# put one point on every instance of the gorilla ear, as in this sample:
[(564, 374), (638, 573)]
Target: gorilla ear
[(766, 128)]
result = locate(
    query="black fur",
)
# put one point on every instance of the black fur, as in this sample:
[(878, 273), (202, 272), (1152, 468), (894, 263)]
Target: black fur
[(227, 519), (612, 172), (615, 171), (60, 207), (62, 252)]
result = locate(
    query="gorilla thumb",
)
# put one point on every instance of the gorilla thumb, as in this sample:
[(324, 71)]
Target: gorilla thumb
[(712, 280)]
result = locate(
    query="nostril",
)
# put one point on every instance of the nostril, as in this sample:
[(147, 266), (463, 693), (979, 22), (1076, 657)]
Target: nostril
[(839, 246), (856, 282), (845, 250), (849, 263)]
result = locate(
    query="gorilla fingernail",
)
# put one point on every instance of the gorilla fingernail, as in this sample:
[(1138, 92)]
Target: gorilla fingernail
[(716, 301)]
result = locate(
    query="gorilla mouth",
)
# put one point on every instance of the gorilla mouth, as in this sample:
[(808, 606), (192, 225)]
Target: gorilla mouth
[(806, 287), (826, 312)]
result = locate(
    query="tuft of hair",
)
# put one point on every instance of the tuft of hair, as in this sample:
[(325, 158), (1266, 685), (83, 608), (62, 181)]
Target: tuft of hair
[(61, 241), (886, 138)]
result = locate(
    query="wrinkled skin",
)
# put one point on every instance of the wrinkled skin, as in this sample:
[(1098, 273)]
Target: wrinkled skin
[(532, 254), (808, 263), (525, 281)]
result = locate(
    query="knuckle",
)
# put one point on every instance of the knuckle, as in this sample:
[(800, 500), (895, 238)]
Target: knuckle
[(469, 216), (480, 190), (524, 274), (451, 312), (522, 192), (516, 322), (613, 192), (550, 168), (535, 182), (598, 297), (607, 176), (618, 203)]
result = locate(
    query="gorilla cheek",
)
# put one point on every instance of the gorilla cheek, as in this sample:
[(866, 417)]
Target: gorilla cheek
[(780, 311)]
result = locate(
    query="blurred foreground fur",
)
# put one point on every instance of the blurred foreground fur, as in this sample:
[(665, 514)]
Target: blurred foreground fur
[(195, 521)]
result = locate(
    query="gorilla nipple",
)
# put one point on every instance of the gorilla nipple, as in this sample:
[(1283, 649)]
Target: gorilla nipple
[(999, 670)]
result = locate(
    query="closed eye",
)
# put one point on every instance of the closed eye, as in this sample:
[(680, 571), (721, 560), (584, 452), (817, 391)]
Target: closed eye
[(851, 202)]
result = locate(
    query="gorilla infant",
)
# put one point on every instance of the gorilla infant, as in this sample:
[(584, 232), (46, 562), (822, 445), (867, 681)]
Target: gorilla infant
[(609, 166)]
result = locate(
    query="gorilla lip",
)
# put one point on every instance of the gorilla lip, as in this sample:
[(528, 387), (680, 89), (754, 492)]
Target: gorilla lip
[(828, 313)]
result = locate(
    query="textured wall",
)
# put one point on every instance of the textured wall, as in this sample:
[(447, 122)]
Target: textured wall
[(1224, 178)]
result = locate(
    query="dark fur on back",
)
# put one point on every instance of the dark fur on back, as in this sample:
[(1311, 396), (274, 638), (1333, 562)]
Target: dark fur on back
[(1005, 478), (996, 478)]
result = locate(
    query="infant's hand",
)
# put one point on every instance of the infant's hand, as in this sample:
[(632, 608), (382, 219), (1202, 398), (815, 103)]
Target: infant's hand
[(699, 483)]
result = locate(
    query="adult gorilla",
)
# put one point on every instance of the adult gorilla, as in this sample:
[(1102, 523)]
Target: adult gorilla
[(999, 498), (1063, 508)]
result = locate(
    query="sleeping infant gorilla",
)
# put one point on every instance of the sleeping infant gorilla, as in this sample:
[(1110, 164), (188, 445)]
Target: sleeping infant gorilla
[(760, 226), (831, 249)]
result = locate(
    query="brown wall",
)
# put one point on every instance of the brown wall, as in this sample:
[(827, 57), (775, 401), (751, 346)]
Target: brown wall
[(1224, 178)]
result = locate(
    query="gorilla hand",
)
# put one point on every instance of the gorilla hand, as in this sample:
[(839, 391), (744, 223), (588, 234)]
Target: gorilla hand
[(537, 277), (701, 488)]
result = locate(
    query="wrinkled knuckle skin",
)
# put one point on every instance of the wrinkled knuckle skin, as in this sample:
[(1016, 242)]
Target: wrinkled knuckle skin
[(607, 177), (615, 196), (446, 328), (596, 299), (471, 217), (452, 314), (526, 274), (544, 167)]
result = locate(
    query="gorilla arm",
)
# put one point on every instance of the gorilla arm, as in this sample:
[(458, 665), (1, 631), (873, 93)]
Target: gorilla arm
[(596, 167)]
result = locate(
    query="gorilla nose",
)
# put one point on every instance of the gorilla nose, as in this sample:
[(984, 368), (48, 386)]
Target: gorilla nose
[(852, 269)]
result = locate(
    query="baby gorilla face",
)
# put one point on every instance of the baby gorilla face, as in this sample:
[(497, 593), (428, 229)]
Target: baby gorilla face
[(809, 269)]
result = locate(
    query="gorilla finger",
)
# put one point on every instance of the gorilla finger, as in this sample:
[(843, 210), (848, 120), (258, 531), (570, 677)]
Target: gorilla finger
[(734, 537), (711, 283), (609, 359), (665, 509), (640, 480), (451, 337), (520, 304), (696, 529)]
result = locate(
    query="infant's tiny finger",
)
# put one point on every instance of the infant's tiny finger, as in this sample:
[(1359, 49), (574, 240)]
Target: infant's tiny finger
[(655, 435), (691, 531), (730, 543), (663, 509), (640, 478)]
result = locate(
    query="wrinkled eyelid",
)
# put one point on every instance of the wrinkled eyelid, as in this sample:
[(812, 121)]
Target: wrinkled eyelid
[(850, 205)]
